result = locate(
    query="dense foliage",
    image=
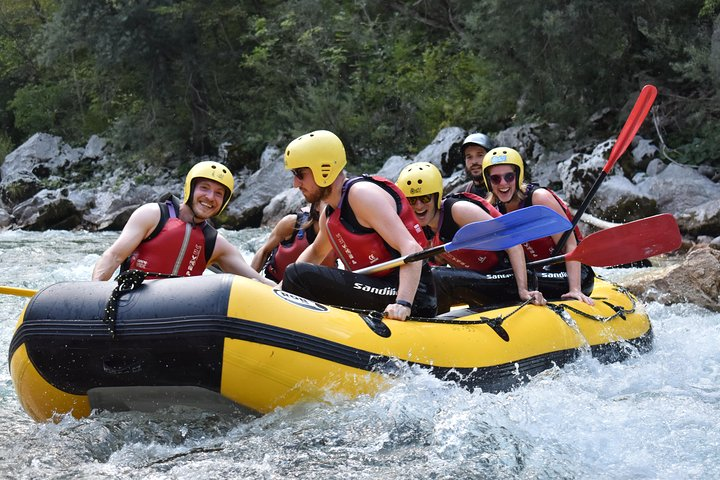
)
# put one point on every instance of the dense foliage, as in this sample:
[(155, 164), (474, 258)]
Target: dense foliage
[(168, 78)]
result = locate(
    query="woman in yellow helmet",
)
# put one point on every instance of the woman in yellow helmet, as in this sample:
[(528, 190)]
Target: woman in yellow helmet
[(504, 174), (173, 238), (466, 279)]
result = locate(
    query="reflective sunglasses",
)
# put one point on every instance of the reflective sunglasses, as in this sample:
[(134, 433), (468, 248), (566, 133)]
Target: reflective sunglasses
[(299, 173), (421, 198), (508, 177)]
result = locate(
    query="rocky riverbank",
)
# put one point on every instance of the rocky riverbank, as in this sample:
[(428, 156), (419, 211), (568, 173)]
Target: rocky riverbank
[(48, 184)]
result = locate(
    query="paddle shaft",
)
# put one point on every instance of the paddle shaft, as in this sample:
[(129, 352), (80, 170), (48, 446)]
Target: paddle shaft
[(632, 125), (495, 234), (18, 292)]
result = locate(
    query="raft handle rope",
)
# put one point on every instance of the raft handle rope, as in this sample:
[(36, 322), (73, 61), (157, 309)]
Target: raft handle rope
[(621, 312), (374, 320), (127, 281)]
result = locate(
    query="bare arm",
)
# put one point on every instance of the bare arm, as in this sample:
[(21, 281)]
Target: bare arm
[(140, 225), (282, 231), (375, 208), (231, 261), (466, 212), (321, 246), (543, 197)]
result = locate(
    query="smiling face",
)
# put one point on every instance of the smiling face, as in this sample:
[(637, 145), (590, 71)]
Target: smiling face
[(208, 196), (503, 186), (425, 208), (474, 155)]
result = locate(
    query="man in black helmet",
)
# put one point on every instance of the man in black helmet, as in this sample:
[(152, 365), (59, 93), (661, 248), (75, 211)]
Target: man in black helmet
[(474, 148)]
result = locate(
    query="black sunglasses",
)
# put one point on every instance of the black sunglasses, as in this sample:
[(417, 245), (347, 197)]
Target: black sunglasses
[(299, 173), (508, 177)]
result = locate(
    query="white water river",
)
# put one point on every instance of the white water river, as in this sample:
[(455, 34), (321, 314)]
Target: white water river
[(656, 416)]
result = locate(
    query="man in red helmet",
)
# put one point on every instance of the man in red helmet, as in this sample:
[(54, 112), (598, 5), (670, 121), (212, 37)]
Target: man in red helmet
[(171, 238)]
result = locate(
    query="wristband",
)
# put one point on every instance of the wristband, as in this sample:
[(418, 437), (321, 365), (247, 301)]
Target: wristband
[(404, 303)]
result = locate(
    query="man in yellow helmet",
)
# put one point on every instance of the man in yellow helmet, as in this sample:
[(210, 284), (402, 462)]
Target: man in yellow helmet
[(171, 238), (367, 221)]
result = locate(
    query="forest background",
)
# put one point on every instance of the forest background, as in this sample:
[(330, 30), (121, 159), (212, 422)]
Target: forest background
[(167, 80)]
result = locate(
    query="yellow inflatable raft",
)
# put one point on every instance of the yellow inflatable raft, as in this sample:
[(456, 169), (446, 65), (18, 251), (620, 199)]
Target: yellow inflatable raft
[(222, 340)]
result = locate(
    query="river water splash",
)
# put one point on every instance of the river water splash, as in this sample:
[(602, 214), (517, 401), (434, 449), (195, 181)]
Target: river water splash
[(655, 416)]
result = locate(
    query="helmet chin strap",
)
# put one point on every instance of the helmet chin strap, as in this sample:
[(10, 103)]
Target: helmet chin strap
[(194, 215)]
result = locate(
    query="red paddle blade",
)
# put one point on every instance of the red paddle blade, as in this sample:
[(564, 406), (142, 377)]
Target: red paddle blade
[(632, 124), (629, 242)]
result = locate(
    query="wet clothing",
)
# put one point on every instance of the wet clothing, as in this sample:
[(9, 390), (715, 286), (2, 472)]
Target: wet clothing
[(174, 247), (358, 247), (289, 250)]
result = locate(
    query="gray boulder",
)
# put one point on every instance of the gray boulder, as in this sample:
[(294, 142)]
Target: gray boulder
[(443, 151), (285, 202), (246, 210), (695, 280), (621, 202), (393, 165), (678, 188), (48, 210), (579, 172), (643, 153), (703, 219), (18, 186), (95, 148)]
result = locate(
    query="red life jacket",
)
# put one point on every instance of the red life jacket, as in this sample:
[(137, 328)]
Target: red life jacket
[(479, 260), (175, 247), (543, 247), (289, 250), (358, 246)]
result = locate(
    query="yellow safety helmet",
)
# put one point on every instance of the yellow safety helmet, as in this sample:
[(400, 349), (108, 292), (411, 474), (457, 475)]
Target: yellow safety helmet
[(421, 178), (212, 171), (320, 151), (503, 156)]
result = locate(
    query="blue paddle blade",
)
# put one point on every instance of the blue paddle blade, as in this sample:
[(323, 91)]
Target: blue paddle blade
[(509, 230)]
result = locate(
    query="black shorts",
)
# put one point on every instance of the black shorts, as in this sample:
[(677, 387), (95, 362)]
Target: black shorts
[(344, 288)]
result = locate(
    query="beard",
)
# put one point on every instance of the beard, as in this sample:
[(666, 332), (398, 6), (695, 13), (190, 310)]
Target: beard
[(321, 194), (477, 179)]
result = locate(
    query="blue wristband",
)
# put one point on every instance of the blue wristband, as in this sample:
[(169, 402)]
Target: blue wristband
[(404, 303)]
